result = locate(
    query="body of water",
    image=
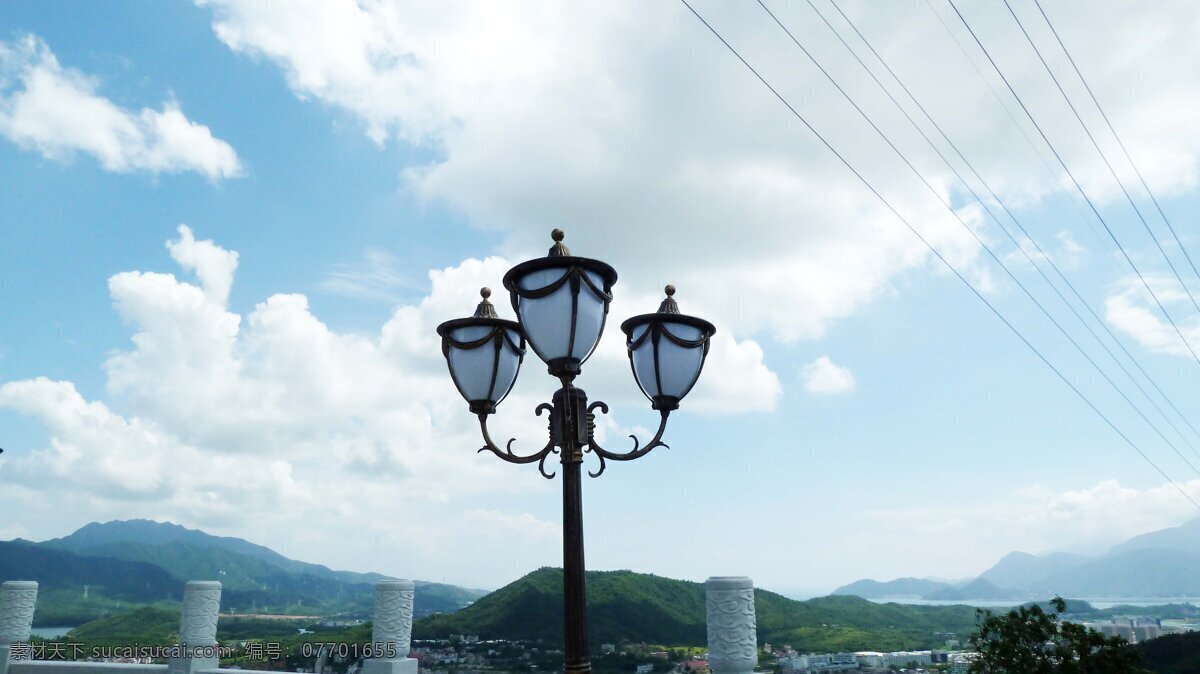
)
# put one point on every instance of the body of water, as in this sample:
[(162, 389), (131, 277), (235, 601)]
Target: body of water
[(1097, 602), (50, 632)]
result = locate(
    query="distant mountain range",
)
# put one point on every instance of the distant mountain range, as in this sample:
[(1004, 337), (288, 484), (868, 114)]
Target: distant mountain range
[(132, 562), (623, 605), (1160, 564)]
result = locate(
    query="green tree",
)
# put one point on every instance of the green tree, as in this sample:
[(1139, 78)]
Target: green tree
[(1031, 640)]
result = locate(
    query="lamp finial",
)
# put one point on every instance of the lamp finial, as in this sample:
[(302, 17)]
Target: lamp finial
[(669, 305), (559, 249), (485, 308)]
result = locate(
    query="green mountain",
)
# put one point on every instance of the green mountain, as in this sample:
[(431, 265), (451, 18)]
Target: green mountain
[(623, 605), (158, 625), (55, 569), (974, 590), (253, 576), (140, 561), (1183, 538), (1136, 573), (77, 589), (149, 625), (1156, 564), (1023, 570), (901, 587), (97, 538)]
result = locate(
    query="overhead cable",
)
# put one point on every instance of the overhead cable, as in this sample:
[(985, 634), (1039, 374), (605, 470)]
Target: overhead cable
[(939, 256)]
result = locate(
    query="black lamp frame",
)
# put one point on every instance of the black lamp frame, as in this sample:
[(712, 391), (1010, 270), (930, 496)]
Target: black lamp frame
[(572, 420)]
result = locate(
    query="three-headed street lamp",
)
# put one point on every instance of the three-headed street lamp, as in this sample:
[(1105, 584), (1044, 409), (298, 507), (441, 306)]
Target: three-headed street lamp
[(561, 302)]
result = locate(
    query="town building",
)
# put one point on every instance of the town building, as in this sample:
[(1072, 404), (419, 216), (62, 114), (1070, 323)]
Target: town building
[(822, 662)]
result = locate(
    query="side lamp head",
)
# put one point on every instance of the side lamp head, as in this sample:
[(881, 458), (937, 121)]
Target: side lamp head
[(667, 351), (484, 354)]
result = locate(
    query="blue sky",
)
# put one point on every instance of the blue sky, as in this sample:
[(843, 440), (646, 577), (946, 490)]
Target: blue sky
[(863, 414)]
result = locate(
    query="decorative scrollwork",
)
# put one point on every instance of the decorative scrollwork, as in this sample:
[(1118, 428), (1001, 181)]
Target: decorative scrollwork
[(508, 455), (638, 450)]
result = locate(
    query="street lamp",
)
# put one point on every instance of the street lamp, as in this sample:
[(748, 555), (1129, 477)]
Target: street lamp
[(561, 303)]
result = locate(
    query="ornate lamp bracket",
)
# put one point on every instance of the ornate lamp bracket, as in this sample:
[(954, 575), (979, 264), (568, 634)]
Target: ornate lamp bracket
[(572, 428), (507, 453), (638, 450)]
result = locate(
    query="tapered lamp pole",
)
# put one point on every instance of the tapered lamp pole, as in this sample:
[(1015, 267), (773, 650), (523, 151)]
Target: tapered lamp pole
[(562, 303)]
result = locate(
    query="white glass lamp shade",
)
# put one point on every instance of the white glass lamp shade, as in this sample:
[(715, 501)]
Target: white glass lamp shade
[(549, 320), (484, 355), (562, 303), (667, 352)]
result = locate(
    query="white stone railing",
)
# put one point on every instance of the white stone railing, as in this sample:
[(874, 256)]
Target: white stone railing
[(391, 635), (198, 634), (732, 633), (17, 599)]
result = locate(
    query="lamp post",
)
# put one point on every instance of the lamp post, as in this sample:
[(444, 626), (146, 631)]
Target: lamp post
[(561, 302)]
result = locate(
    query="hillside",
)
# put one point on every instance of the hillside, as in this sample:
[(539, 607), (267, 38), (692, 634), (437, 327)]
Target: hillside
[(55, 569), (1139, 572), (1183, 538), (149, 625), (254, 576), (901, 587), (623, 605), (975, 590), (125, 563), (1171, 654), (1155, 564), (248, 583), (1023, 570), (97, 537), (113, 585), (159, 625)]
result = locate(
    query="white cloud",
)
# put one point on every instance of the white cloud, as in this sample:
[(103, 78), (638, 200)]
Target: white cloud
[(375, 278), (58, 112), (1036, 520), (633, 133), (824, 376), (630, 126), (1131, 309), (1072, 253), (227, 421)]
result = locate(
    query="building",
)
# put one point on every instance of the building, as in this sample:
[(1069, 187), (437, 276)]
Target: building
[(644, 669), (1146, 632), (870, 658), (822, 662), (907, 658), (1133, 630)]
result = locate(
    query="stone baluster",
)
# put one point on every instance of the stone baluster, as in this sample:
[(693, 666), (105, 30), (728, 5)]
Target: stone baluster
[(17, 600), (197, 628), (732, 635), (392, 629)]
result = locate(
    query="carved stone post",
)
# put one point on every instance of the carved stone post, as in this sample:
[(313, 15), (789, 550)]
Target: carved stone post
[(197, 628), (732, 635), (17, 600), (392, 629)]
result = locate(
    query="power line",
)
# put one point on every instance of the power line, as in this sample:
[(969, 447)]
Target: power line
[(991, 253), (1047, 258), (1118, 138), (1054, 177), (937, 254), (1079, 187), (1105, 241), (1104, 157)]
